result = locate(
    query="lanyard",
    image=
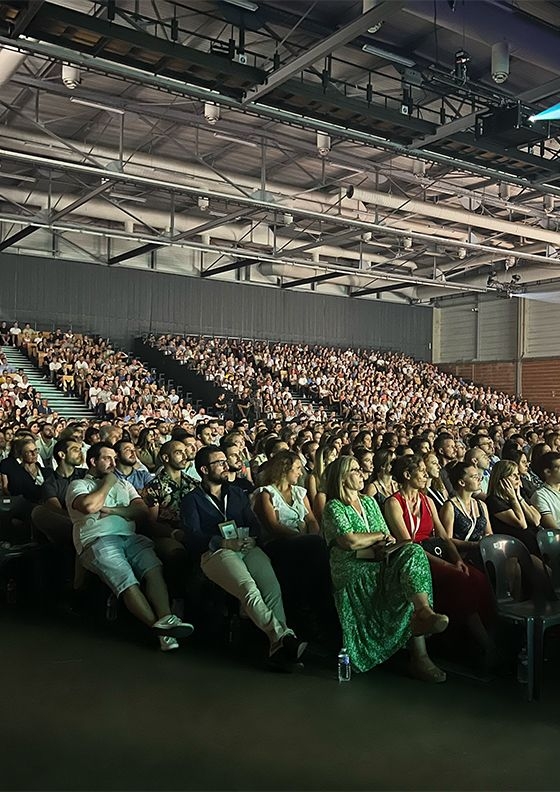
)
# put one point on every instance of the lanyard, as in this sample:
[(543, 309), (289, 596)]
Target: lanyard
[(472, 520), (215, 505)]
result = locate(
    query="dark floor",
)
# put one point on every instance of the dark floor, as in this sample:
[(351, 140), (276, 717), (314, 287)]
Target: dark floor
[(90, 708)]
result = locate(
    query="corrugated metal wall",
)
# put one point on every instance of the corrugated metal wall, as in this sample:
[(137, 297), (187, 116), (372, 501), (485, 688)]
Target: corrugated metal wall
[(457, 333), (497, 328), (477, 330), (542, 320), (124, 302)]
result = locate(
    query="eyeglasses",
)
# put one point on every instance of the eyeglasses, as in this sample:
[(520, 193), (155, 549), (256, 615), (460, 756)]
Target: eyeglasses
[(354, 470), (222, 462)]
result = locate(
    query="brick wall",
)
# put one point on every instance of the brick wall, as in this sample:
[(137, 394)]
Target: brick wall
[(540, 378), (499, 375)]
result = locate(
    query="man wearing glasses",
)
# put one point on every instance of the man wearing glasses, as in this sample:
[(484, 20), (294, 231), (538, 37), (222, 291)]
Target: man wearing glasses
[(237, 565)]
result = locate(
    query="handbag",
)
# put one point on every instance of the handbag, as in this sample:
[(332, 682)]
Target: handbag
[(436, 546)]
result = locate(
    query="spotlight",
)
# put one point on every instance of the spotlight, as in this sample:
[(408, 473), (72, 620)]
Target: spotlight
[(462, 59), (211, 112), (407, 243), (323, 144), (461, 253), (203, 203), (71, 76), (500, 62), (510, 262), (288, 218)]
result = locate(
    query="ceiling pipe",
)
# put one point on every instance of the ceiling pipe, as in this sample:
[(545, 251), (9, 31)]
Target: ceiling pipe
[(10, 61), (138, 163), (440, 212)]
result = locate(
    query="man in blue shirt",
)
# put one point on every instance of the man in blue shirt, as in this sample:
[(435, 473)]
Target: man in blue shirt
[(129, 468), (237, 565)]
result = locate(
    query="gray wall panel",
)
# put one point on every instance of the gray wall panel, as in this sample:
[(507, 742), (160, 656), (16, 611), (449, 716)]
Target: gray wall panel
[(124, 302)]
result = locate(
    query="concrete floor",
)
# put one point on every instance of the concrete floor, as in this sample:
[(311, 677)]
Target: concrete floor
[(91, 708)]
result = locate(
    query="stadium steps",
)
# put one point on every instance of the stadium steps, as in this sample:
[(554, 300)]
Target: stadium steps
[(68, 407)]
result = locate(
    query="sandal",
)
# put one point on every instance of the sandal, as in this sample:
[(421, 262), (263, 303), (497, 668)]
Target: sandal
[(426, 671), (428, 624)]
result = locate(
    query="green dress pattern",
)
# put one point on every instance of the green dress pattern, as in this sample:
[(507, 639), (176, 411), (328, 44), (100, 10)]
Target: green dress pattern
[(373, 597)]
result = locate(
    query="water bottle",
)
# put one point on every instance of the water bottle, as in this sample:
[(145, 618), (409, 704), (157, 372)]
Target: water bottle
[(522, 667), (344, 667)]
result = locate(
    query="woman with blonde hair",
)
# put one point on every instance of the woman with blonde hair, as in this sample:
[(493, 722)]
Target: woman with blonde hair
[(384, 600)]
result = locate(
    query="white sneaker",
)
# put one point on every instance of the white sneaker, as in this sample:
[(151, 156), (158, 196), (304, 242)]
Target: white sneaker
[(167, 643), (172, 625)]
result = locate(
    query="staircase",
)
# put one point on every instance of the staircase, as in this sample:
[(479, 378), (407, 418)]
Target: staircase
[(68, 407)]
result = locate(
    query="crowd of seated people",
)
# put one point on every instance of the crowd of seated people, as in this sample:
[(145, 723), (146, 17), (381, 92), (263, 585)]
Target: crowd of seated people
[(360, 384), (286, 516)]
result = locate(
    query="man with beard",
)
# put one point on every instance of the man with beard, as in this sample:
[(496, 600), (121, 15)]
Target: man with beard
[(237, 565), (45, 442), (129, 468), (104, 511), (51, 518), (163, 496), (235, 466)]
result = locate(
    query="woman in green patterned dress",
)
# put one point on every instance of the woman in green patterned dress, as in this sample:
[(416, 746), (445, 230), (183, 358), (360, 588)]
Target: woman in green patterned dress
[(383, 605)]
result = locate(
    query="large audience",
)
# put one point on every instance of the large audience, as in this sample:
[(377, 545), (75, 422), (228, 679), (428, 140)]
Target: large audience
[(330, 495), (360, 384)]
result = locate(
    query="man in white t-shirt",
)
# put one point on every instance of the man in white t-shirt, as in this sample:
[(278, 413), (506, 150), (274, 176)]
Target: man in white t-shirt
[(15, 332), (103, 510), (547, 498)]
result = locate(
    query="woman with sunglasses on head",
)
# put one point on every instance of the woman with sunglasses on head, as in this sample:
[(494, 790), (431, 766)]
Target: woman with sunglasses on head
[(384, 603), (460, 591)]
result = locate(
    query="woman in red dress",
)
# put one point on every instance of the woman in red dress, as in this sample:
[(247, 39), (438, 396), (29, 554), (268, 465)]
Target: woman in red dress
[(460, 591)]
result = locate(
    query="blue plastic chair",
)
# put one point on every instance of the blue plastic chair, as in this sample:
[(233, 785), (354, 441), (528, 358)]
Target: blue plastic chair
[(536, 615)]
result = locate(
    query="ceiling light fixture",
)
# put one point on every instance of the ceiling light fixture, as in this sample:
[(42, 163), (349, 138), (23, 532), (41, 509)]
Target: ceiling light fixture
[(390, 56), (96, 105), (211, 112), (246, 5), (71, 76), (323, 144)]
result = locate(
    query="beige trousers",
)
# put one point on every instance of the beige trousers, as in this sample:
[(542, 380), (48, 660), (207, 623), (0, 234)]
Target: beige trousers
[(249, 577)]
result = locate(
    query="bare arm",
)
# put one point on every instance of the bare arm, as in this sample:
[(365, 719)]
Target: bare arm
[(266, 513), (395, 520), (93, 501), (136, 510), (311, 524)]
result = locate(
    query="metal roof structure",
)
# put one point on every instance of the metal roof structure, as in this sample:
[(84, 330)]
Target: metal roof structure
[(357, 147)]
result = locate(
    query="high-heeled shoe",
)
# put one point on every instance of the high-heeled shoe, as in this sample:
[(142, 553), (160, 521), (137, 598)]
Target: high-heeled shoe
[(426, 622), (426, 671)]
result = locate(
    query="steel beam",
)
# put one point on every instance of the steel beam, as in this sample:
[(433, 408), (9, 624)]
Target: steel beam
[(25, 232), (315, 279), (233, 265), (177, 87), (192, 232), (379, 289), (383, 11)]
